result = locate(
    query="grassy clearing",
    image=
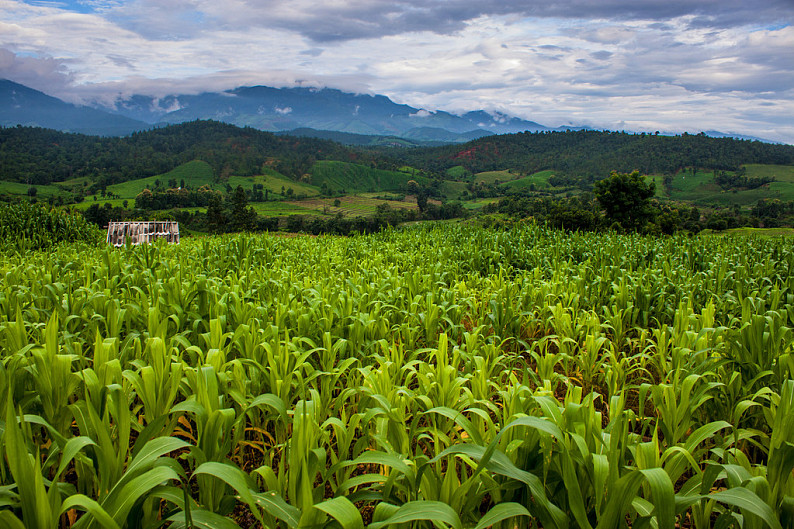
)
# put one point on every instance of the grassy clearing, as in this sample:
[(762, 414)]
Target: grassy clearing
[(114, 202), (687, 183), (539, 180), (784, 190), (17, 189), (658, 180), (458, 172), (701, 189), (353, 206), (274, 182), (479, 203), (490, 177), (453, 190), (781, 173), (280, 208), (354, 178), (195, 174)]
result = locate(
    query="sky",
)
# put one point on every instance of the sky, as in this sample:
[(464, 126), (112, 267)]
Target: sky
[(634, 65)]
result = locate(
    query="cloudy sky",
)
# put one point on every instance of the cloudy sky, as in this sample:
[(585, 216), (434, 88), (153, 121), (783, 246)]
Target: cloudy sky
[(670, 65)]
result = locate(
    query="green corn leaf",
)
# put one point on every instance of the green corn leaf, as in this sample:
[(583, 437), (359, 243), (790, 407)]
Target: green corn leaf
[(501, 512), (412, 511), (233, 476), (120, 501), (275, 505), (272, 401), (356, 481), (374, 457), (270, 502), (154, 449), (574, 488), (72, 448), (621, 497), (10, 521), (494, 460), (663, 496), (201, 519), (343, 511), (706, 431), (85, 503), (747, 501), (460, 420)]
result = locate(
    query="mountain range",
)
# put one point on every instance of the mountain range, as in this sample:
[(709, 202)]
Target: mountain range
[(20, 105), (265, 108), (353, 119)]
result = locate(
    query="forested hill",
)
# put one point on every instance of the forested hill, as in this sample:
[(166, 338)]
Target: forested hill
[(593, 154), (40, 156)]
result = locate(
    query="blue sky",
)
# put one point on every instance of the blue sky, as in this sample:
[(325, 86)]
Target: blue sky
[(672, 65)]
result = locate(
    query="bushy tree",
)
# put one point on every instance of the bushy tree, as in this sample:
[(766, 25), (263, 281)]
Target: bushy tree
[(626, 199)]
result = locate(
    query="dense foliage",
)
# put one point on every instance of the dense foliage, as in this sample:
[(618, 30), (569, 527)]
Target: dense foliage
[(740, 181), (591, 155), (443, 376), (26, 226), (41, 156)]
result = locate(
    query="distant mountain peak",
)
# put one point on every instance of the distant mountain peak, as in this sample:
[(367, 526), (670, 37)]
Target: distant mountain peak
[(22, 105), (329, 109)]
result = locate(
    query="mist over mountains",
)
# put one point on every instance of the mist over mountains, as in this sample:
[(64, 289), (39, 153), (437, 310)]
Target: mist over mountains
[(260, 107), (20, 105), (356, 119), (283, 109)]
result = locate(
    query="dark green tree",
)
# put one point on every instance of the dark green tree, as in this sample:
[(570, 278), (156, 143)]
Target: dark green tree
[(242, 218), (216, 218), (421, 200), (626, 199)]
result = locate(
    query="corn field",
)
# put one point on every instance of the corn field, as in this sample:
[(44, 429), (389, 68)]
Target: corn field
[(25, 226), (446, 376)]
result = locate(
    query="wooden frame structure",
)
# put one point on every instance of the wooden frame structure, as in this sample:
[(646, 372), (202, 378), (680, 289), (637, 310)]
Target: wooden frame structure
[(142, 232)]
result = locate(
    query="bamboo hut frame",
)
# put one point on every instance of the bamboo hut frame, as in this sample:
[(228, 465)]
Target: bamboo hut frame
[(142, 232)]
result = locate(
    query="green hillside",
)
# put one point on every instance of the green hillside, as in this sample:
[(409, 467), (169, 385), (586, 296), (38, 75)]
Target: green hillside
[(274, 182), (591, 155), (355, 178), (781, 173), (194, 174), (20, 190), (490, 177), (40, 156), (452, 189), (458, 172), (700, 188), (539, 180)]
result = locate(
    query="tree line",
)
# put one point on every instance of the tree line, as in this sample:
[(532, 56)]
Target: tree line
[(588, 155)]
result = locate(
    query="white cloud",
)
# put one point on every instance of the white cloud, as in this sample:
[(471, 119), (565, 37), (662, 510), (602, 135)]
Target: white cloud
[(667, 65)]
